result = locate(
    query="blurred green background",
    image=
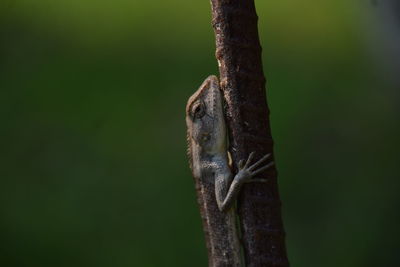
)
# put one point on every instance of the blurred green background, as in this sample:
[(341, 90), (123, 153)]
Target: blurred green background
[(93, 167)]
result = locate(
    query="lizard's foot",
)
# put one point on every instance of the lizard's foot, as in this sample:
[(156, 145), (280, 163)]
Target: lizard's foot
[(246, 172)]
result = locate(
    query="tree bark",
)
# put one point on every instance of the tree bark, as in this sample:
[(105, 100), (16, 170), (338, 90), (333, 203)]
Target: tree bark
[(238, 52)]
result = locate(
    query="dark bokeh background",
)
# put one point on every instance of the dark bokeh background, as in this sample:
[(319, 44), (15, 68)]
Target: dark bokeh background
[(93, 168)]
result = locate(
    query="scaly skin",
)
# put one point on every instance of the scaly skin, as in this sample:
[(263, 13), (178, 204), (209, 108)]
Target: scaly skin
[(216, 189)]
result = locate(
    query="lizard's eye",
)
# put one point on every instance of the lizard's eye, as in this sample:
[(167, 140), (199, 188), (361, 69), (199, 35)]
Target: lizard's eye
[(198, 110)]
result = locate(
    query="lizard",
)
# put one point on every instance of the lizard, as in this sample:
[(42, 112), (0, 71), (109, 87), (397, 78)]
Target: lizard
[(216, 186)]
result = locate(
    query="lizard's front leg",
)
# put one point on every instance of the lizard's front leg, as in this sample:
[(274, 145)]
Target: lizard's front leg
[(245, 174)]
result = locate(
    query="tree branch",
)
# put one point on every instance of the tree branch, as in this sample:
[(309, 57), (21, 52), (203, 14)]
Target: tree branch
[(238, 52)]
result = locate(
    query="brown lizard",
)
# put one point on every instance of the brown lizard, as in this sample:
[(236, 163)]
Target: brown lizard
[(216, 187)]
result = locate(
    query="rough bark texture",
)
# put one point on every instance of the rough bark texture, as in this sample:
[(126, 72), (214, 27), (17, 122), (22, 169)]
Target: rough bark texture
[(243, 83), (217, 227)]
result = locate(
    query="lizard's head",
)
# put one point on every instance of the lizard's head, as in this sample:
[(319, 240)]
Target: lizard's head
[(205, 117)]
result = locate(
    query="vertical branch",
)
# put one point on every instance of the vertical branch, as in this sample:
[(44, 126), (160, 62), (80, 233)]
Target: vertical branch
[(242, 81)]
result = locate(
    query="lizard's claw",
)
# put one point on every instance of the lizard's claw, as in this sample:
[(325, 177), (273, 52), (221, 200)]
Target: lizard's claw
[(247, 171), (263, 168), (252, 167), (249, 159), (254, 170), (241, 164)]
